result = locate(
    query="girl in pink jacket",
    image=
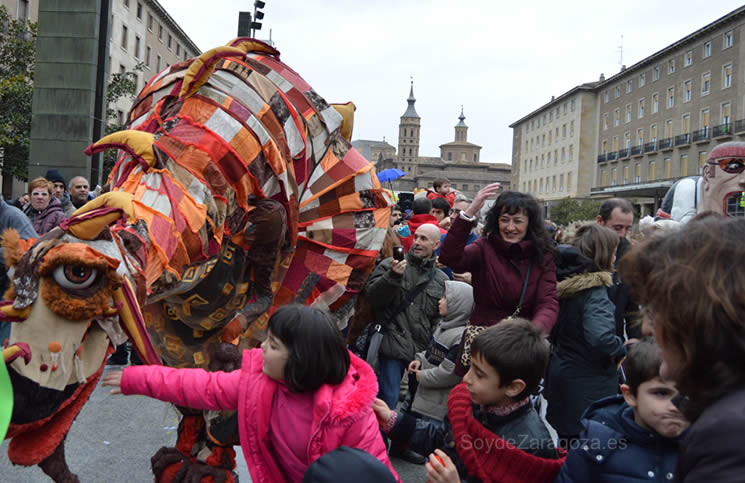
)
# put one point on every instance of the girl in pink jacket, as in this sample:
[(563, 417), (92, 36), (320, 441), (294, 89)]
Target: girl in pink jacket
[(300, 396)]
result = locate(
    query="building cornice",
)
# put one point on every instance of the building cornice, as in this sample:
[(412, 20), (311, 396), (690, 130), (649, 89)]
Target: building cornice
[(171, 23), (587, 87)]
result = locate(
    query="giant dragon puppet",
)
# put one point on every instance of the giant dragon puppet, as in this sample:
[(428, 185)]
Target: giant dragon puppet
[(235, 191)]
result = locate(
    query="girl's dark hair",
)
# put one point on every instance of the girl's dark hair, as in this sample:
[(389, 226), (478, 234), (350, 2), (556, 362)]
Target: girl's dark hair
[(691, 282), (597, 243), (512, 202), (317, 353)]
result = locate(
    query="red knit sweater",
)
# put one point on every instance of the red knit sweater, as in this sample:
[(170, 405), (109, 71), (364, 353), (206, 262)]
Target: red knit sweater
[(493, 459)]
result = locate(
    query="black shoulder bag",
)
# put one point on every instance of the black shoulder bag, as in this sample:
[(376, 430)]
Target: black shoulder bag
[(367, 345)]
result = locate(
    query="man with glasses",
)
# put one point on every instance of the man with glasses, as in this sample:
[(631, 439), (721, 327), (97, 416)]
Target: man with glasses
[(724, 180)]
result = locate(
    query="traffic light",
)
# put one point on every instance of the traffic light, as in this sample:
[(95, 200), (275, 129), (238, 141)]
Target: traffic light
[(244, 24), (258, 14)]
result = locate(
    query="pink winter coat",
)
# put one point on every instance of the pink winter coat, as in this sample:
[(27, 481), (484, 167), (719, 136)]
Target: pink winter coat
[(342, 414)]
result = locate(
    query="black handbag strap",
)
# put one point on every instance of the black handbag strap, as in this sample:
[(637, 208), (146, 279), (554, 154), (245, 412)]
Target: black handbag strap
[(522, 294), (411, 296)]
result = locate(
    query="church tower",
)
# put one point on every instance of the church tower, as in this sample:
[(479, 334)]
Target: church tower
[(461, 130), (408, 131)]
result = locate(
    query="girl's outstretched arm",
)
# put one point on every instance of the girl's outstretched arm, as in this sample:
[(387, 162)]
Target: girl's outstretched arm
[(194, 388)]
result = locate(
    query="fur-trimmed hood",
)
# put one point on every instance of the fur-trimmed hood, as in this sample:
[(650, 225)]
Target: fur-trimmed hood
[(575, 284)]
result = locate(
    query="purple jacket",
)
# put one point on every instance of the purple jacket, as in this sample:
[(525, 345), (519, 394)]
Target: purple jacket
[(498, 269), (342, 414), (47, 218)]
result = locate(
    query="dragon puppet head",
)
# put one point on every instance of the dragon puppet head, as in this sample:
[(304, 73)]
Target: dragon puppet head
[(235, 191)]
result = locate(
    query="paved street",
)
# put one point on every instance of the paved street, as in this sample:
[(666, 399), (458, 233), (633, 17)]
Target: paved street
[(114, 437)]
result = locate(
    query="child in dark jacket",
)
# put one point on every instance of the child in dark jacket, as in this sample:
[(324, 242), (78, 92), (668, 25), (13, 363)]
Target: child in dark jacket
[(492, 432), (633, 437)]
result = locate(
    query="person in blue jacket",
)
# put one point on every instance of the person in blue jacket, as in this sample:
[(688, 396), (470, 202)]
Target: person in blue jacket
[(633, 437)]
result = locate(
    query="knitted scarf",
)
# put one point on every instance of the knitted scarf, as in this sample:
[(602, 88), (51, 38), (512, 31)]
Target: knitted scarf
[(489, 457)]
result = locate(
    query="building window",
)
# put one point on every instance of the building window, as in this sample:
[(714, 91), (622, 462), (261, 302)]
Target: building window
[(684, 165), (617, 92), (725, 113), (705, 119), (668, 128), (625, 175), (707, 49), (124, 37), (642, 105), (617, 117), (642, 79), (629, 85), (705, 83), (651, 171), (613, 177), (606, 96), (571, 128), (139, 11), (638, 173), (147, 56), (450, 156), (656, 74), (120, 116), (170, 41), (566, 108), (564, 131), (160, 32), (670, 97), (571, 103), (150, 22), (653, 133), (178, 48), (553, 183), (727, 76), (668, 161), (475, 157), (655, 103), (687, 91), (561, 182), (671, 66), (628, 112), (23, 9), (602, 178), (727, 40), (640, 137), (615, 143), (688, 58), (551, 116), (605, 146), (465, 186), (184, 54), (157, 66), (685, 126), (701, 159), (571, 151), (626, 140), (137, 47)]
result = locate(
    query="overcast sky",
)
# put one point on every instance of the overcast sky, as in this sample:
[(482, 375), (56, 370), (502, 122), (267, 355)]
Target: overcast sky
[(500, 60)]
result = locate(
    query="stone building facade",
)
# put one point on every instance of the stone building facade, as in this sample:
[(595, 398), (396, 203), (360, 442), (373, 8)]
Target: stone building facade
[(459, 160), (655, 121)]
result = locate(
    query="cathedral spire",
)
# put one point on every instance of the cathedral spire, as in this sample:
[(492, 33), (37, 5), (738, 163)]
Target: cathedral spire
[(410, 111)]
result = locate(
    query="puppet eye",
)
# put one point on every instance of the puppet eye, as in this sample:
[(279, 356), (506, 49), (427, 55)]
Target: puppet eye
[(75, 276)]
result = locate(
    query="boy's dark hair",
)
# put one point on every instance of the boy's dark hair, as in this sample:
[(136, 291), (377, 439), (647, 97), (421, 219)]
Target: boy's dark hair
[(642, 364), (516, 349), (441, 204), (611, 204), (421, 206), (396, 208), (317, 353), (439, 182)]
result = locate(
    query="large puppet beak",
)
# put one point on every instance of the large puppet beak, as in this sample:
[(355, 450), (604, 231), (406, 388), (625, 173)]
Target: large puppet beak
[(15, 351), (133, 323)]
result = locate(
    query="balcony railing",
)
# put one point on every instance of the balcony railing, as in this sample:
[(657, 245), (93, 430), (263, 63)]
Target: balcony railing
[(682, 139), (740, 125), (613, 156), (636, 150), (623, 153), (650, 146), (601, 158), (701, 135), (666, 143), (722, 130)]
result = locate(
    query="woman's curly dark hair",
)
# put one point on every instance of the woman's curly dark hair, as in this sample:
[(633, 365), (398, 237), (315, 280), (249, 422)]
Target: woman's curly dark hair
[(512, 202)]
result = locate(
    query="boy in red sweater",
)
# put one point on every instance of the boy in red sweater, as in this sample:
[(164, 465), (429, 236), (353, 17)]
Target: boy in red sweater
[(492, 432)]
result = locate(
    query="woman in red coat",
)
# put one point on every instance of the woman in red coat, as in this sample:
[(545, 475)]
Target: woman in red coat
[(514, 246)]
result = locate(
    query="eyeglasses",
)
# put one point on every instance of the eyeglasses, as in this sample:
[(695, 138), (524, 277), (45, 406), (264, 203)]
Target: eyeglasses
[(730, 165)]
